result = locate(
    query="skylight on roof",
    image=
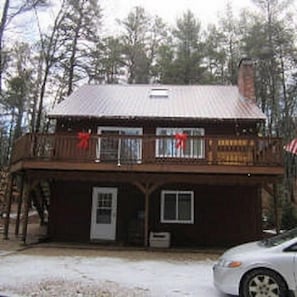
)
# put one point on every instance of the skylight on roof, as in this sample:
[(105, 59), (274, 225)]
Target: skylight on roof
[(159, 93)]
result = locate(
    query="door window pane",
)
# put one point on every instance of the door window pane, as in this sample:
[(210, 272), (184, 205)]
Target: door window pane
[(109, 146), (104, 208), (104, 200), (103, 216)]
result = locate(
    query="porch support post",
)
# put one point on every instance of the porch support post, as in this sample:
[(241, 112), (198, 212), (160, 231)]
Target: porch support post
[(19, 210), (146, 217), (27, 201), (147, 189), (276, 212), (8, 199), (259, 208)]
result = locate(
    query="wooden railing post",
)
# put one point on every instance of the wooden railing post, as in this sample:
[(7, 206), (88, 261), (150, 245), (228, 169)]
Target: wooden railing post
[(214, 150)]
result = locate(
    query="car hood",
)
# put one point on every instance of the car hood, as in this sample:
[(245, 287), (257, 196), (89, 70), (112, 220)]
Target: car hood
[(250, 247)]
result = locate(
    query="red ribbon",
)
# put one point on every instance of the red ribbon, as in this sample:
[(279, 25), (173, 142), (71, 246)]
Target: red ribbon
[(83, 140), (181, 139)]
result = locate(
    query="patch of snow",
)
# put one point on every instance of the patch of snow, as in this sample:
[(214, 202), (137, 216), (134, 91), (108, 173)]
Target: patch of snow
[(49, 276)]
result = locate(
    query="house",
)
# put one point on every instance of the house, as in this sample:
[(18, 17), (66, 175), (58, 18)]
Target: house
[(127, 161)]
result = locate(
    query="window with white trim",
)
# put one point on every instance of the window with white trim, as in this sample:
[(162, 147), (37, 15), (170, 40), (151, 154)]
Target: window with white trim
[(177, 207), (168, 144)]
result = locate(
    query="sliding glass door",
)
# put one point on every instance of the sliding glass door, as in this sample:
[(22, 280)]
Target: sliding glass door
[(121, 145)]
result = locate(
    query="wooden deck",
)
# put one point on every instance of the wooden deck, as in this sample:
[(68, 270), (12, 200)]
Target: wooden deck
[(149, 153)]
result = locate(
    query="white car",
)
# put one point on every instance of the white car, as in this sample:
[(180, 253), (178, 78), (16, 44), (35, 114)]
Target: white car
[(262, 268)]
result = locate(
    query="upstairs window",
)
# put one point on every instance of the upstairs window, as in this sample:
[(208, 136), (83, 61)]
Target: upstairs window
[(180, 143)]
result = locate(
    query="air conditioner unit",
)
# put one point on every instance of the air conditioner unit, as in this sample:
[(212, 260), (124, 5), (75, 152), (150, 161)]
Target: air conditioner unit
[(160, 239)]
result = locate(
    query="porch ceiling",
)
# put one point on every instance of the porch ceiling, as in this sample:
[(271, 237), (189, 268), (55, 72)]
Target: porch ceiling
[(150, 178), (147, 168)]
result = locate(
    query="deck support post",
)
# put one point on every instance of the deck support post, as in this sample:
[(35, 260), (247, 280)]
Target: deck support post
[(146, 218), (27, 202), (276, 212), (19, 209), (8, 199), (147, 189)]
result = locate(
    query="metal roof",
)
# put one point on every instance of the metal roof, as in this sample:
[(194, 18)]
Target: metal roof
[(136, 101)]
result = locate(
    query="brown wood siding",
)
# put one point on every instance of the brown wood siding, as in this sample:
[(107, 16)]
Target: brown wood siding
[(129, 216), (212, 127), (70, 211), (224, 215)]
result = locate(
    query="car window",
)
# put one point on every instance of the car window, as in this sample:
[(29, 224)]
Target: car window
[(292, 248), (279, 239)]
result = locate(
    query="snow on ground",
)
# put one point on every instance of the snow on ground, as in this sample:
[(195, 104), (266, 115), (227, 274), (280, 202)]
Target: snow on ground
[(36, 273)]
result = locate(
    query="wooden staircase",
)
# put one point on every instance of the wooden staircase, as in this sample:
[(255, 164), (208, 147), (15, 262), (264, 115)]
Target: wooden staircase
[(41, 199), (39, 195)]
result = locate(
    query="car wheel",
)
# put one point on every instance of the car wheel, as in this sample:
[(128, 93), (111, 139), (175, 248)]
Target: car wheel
[(263, 283)]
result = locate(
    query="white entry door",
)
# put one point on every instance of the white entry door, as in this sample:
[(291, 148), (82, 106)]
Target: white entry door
[(104, 213)]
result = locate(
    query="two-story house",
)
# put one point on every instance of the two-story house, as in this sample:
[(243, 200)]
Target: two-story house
[(127, 160)]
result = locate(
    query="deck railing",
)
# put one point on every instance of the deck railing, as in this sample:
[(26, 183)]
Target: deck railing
[(126, 149)]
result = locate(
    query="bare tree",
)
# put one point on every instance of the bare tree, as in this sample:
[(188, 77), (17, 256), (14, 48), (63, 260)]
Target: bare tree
[(8, 14), (2, 28)]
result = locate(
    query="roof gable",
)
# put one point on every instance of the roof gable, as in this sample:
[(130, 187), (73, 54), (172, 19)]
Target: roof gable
[(135, 101)]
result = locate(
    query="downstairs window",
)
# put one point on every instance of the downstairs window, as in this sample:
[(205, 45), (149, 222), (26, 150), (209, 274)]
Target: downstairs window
[(177, 207)]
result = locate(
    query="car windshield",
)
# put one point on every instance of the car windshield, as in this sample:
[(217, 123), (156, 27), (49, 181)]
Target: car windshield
[(279, 239)]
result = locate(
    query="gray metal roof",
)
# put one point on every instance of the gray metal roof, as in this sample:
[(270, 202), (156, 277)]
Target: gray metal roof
[(135, 101)]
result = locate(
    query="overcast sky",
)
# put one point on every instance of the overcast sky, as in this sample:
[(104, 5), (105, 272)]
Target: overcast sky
[(206, 11)]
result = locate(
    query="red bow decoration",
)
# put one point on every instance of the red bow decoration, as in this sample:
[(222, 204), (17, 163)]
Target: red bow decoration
[(181, 139), (83, 140)]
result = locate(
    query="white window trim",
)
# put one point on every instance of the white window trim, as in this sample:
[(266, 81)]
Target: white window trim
[(114, 128), (191, 221), (181, 154)]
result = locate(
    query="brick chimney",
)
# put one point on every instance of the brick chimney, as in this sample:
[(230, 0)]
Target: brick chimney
[(246, 83)]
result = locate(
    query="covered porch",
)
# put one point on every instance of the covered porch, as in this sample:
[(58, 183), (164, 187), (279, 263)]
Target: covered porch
[(138, 205)]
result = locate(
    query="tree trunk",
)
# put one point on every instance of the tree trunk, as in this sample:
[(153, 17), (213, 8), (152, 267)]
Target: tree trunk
[(2, 27)]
